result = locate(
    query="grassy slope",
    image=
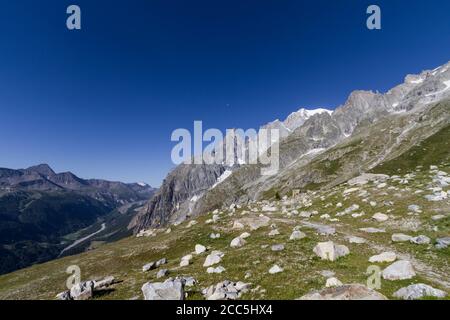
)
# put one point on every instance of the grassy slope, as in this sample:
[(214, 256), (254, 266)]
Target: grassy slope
[(125, 258)]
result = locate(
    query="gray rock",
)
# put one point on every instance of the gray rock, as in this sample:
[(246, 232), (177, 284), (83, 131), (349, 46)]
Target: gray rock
[(160, 262), (418, 291), (237, 242), (330, 251), (199, 249), (420, 240), (213, 258), (82, 291), (148, 267), (345, 292), (105, 282), (399, 270), (162, 273), (384, 257), (168, 290), (275, 269), (357, 240), (442, 243), (65, 295), (400, 237), (297, 235), (277, 247)]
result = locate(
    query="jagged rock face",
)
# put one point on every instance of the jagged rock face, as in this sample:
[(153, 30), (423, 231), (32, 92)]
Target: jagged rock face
[(173, 200), (406, 111)]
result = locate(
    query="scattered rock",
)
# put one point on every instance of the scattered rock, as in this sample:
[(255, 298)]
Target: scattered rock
[(199, 249), (345, 292), (442, 243), (384, 257), (330, 251), (418, 291), (162, 273), (186, 260), (160, 262), (275, 269), (399, 270), (274, 232), (213, 258), (400, 237), (218, 269), (82, 291), (372, 230), (357, 240), (278, 247), (148, 267), (420, 240), (225, 290), (237, 242), (333, 282), (245, 235), (214, 235), (380, 217), (327, 273), (104, 283), (297, 235), (168, 290)]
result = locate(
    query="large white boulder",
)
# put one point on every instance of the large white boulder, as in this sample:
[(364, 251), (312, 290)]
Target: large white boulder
[(330, 251), (213, 258), (168, 290), (399, 270)]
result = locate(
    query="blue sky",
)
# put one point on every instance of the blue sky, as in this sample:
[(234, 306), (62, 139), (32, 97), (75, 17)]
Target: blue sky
[(102, 102)]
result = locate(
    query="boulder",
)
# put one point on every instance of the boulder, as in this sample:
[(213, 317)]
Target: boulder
[(442, 243), (218, 269), (277, 247), (82, 291), (105, 282), (330, 251), (162, 273), (380, 217), (420, 240), (399, 270), (148, 267), (333, 282), (400, 237), (275, 269), (245, 235), (418, 291), (237, 242), (274, 232), (345, 292), (384, 257), (213, 258), (168, 290), (357, 240), (297, 235), (199, 249), (186, 260)]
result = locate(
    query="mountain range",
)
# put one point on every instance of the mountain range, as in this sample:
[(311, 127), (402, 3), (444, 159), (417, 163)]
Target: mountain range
[(317, 148), (40, 208), (364, 185)]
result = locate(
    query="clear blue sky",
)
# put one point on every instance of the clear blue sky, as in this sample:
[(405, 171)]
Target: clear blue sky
[(102, 102)]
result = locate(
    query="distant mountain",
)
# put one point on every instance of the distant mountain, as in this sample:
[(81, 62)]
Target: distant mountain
[(313, 150), (40, 208)]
